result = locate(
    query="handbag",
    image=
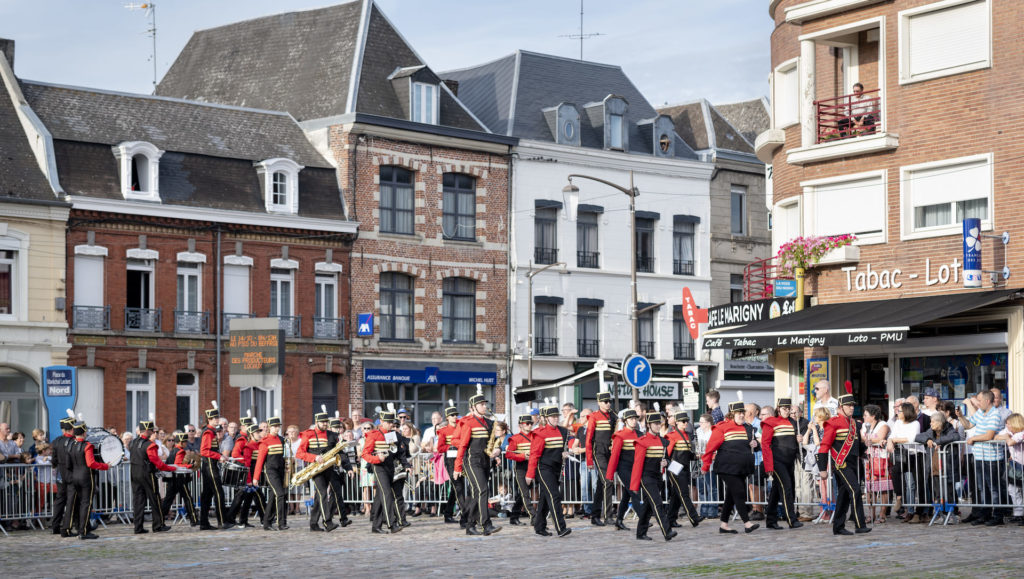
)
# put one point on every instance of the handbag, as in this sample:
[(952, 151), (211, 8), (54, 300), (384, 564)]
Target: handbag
[(879, 463)]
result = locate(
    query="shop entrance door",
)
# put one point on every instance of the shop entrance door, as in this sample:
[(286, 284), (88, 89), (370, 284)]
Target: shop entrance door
[(868, 377)]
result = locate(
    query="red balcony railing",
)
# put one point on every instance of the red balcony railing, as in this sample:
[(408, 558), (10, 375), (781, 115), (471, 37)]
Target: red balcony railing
[(758, 279), (849, 116)]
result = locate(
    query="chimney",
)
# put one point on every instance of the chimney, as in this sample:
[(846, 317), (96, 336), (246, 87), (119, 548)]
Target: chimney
[(7, 47), (453, 85)]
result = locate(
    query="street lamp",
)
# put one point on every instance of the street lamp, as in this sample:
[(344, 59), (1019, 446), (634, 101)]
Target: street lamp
[(529, 331), (571, 195)]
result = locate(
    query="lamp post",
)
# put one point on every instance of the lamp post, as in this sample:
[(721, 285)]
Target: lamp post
[(529, 330), (571, 194)]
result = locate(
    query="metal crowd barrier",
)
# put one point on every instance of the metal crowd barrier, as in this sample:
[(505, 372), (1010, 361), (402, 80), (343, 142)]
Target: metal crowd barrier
[(933, 483)]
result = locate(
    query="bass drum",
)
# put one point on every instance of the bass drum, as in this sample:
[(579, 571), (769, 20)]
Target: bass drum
[(109, 446)]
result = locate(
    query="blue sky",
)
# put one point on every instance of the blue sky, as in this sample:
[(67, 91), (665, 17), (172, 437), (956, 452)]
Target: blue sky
[(674, 50)]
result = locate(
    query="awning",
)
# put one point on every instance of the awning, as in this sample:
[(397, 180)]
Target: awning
[(851, 324)]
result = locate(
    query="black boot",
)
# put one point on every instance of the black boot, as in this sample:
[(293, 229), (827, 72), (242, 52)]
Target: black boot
[(596, 521), (619, 526)]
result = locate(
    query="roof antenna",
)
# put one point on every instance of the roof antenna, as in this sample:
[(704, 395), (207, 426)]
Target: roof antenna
[(150, 9), (581, 36)]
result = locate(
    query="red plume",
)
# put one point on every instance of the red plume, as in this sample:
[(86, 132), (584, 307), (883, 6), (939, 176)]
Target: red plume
[(848, 386)]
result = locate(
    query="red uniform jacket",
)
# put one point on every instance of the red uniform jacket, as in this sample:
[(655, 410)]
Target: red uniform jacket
[(596, 421), (445, 438), (264, 449), (372, 442), (314, 437), (738, 458), (209, 444), (839, 441), (90, 458), (469, 426), (179, 456), (517, 446), (241, 450), (621, 440), (647, 446), (770, 428), (154, 457), (546, 438)]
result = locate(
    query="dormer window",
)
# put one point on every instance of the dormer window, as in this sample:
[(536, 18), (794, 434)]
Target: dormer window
[(616, 132), (567, 124), (139, 165), (424, 103), (279, 179)]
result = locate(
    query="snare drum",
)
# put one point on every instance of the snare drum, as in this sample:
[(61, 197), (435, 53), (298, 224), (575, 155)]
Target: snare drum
[(233, 474)]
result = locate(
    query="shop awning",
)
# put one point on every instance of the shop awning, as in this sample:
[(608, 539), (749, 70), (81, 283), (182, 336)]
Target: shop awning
[(851, 324)]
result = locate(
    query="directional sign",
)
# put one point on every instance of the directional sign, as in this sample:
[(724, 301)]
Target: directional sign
[(636, 371), (365, 328)]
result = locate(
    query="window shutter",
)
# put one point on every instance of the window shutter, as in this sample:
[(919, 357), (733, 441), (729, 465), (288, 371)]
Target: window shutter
[(948, 38), (856, 207)]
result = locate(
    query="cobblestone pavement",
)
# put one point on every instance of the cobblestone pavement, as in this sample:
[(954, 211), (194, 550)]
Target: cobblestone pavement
[(431, 548)]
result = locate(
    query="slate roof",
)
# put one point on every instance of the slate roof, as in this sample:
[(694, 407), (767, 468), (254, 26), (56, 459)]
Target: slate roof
[(749, 117), (520, 86), (20, 175), (303, 63), (703, 125), (94, 116)]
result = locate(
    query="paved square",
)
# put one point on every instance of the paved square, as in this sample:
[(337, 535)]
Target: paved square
[(431, 548)]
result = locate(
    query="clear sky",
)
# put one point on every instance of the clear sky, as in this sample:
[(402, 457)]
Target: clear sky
[(674, 50)]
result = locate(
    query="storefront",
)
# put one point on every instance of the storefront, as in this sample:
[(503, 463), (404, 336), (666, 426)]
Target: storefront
[(958, 344), (423, 388), (20, 402)]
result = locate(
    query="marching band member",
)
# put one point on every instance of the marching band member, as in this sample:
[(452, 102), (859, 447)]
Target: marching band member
[(377, 453), (242, 451), (445, 446), (547, 451), (83, 466), (403, 462), (680, 452), (270, 465), (473, 460), (178, 485), (621, 463), (519, 451), (145, 461), (731, 449), (600, 426), (212, 489), (780, 450), (645, 480), (314, 443), (61, 465), (334, 478), (841, 444)]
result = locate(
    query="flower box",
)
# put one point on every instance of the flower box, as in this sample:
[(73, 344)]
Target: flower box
[(841, 255)]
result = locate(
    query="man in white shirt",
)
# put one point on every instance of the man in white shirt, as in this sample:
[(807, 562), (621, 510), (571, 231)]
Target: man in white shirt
[(1002, 410), (430, 434), (823, 397)]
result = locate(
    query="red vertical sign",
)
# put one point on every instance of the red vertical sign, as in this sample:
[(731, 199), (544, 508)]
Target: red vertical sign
[(693, 314)]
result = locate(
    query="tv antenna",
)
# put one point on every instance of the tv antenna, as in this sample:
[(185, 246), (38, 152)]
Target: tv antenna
[(581, 36), (150, 9)]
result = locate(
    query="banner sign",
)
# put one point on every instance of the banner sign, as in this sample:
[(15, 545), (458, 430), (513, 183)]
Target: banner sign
[(739, 313), (429, 375), (972, 252), (60, 389), (693, 315), (256, 353), (807, 340), (653, 391)]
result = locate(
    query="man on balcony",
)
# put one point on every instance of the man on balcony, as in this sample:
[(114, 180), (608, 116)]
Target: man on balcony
[(860, 121)]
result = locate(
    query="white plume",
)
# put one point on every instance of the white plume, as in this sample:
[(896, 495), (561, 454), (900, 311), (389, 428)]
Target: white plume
[(214, 404), (277, 412), (151, 417), (81, 417), (323, 408), (739, 395), (632, 404), (451, 402), (337, 414), (71, 413), (479, 390), (657, 407), (248, 413), (391, 406)]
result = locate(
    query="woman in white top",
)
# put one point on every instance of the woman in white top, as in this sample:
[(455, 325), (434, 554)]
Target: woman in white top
[(907, 458), (878, 484)]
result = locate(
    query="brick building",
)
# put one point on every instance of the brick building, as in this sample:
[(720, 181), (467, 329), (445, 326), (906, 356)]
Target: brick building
[(425, 180), (895, 121), (184, 216)]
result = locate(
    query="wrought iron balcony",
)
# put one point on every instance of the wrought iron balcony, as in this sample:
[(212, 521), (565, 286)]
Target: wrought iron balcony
[(142, 319), (647, 349), (292, 325), (186, 322), (682, 267), (329, 328), (588, 348), (90, 317), (644, 264), (226, 317), (587, 259), (545, 255), (682, 351), (546, 346)]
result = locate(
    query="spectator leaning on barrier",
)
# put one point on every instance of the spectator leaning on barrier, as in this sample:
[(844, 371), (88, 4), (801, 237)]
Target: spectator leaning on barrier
[(989, 458), (906, 462), (937, 439), (1013, 434), (931, 402)]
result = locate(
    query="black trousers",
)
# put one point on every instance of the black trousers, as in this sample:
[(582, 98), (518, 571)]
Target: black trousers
[(60, 499), (651, 506), (70, 518), (337, 484), (322, 500), (848, 497), (524, 503), (398, 488), (479, 491), (784, 489), (82, 488), (212, 492), (735, 496), (384, 513), (242, 504), (548, 480), (178, 487), (605, 492), (144, 490), (278, 507), (679, 496), (625, 472), (456, 492)]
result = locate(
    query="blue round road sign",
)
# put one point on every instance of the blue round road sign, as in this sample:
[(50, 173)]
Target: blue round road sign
[(636, 371)]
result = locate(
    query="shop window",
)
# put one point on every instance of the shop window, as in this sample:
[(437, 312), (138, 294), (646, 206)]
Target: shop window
[(955, 377), (420, 399), (19, 400)]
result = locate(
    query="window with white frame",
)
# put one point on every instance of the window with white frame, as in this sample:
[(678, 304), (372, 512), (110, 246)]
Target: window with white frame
[(458, 310), (785, 223), (396, 306), (140, 397), (945, 38), (938, 196), (615, 131), (852, 204), (424, 103), (459, 206), (139, 164), (738, 209), (397, 201), (8, 282), (262, 402), (236, 289), (280, 179), (326, 295), (281, 294), (189, 274), (786, 97)]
